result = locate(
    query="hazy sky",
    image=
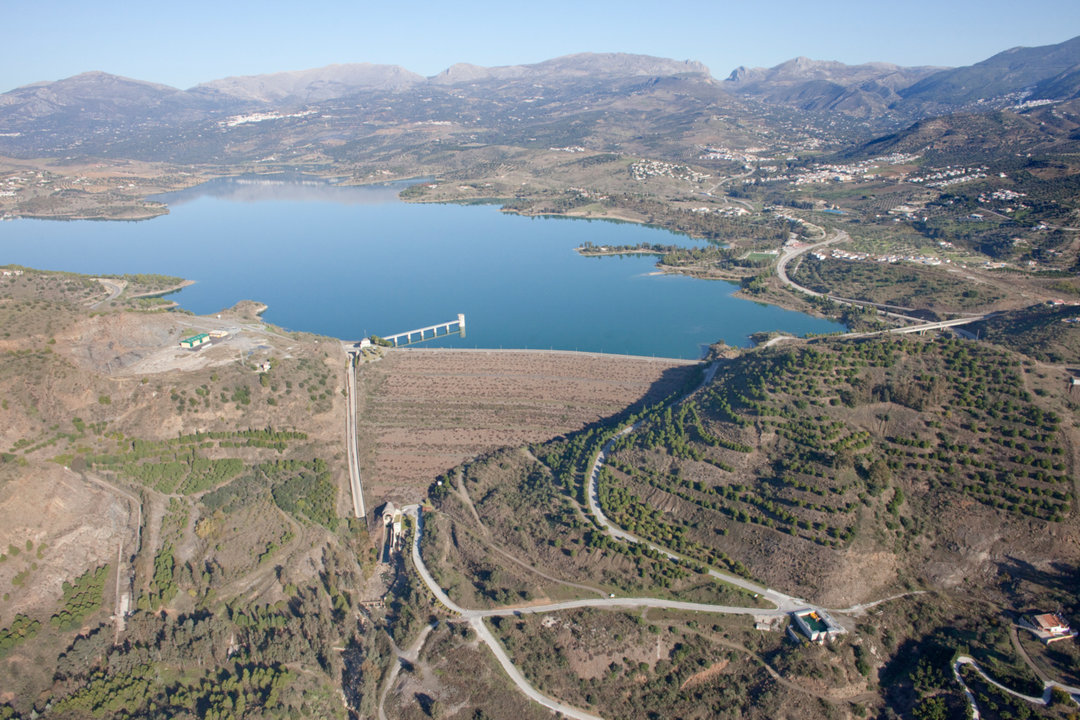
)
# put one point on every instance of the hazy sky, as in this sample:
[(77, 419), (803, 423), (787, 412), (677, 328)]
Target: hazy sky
[(191, 41)]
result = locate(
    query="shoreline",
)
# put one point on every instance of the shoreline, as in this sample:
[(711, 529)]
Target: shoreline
[(140, 216), (790, 304), (609, 253), (537, 351), (167, 291)]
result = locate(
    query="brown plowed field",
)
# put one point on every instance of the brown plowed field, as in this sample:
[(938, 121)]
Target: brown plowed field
[(421, 412)]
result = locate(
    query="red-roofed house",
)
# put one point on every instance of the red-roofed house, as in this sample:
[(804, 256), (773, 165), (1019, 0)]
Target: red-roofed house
[(1048, 627)]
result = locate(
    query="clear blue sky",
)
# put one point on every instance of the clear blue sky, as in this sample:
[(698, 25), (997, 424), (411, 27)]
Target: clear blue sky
[(188, 42)]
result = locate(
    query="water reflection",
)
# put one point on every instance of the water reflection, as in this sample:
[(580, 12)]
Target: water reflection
[(287, 188)]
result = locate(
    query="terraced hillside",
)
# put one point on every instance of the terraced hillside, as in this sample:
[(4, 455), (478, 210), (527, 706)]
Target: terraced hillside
[(843, 469), (931, 473)]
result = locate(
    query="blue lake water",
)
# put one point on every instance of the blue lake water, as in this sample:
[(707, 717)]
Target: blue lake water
[(351, 262)]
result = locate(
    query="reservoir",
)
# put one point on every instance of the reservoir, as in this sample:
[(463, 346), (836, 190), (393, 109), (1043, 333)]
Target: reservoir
[(355, 261)]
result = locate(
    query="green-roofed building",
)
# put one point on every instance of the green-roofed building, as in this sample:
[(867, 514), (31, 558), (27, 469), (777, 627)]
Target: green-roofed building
[(195, 341)]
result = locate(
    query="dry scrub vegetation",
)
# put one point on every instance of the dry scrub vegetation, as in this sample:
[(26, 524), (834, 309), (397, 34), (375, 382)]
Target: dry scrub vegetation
[(847, 471), (205, 495)]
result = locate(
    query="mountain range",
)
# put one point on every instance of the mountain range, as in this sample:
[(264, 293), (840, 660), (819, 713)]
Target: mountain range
[(613, 101)]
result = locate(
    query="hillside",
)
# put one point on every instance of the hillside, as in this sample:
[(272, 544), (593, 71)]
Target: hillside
[(342, 111), (1014, 71), (179, 537), (178, 523), (965, 137), (865, 91), (1047, 333), (843, 471), (161, 495), (846, 470)]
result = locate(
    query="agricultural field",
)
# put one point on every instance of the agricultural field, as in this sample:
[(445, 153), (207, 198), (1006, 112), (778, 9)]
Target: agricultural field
[(506, 533), (843, 471), (852, 457)]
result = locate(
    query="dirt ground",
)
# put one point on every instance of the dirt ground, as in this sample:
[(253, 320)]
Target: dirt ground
[(421, 412), (73, 524), (134, 344)]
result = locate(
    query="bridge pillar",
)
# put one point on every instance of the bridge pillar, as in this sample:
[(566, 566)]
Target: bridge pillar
[(460, 322)]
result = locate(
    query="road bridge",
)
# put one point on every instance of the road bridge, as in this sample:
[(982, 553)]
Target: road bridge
[(938, 325)]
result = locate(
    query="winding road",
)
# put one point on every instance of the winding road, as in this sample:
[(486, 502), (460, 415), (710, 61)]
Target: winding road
[(475, 618), (1048, 686), (919, 326), (793, 252), (114, 289), (782, 602)]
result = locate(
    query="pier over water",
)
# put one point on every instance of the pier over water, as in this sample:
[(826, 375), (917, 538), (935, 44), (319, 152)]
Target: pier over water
[(421, 334)]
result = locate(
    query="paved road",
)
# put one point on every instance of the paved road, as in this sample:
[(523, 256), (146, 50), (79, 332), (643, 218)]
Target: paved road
[(546, 351), (1048, 686), (784, 603), (359, 508), (114, 289), (938, 325), (919, 326), (627, 602), (792, 253), (476, 620)]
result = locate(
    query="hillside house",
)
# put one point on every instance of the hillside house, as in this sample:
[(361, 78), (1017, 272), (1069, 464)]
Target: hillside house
[(817, 625), (1048, 627)]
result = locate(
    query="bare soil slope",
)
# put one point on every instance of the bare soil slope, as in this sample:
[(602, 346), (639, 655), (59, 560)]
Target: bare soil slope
[(423, 412)]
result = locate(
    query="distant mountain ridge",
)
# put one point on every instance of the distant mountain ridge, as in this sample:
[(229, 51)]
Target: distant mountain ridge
[(1016, 70), (617, 102), (312, 85), (818, 85), (552, 102), (91, 90), (1050, 72), (333, 81), (578, 65)]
